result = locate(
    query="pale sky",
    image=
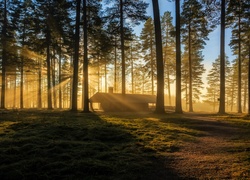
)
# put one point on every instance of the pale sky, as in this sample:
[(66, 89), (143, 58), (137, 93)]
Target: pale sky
[(212, 49)]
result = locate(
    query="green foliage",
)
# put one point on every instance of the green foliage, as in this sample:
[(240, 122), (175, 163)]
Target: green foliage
[(213, 81), (148, 49)]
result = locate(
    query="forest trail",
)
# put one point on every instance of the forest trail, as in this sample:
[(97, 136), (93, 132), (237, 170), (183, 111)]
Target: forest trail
[(216, 154)]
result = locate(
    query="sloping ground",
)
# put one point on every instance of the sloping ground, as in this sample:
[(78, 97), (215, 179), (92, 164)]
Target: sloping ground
[(66, 145)]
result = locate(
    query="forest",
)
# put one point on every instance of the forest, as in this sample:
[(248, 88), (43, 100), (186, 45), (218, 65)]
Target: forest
[(58, 54), (165, 114)]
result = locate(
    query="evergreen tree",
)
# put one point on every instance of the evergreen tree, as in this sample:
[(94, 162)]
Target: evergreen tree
[(168, 51), (195, 32), (148, 49), (238, 21), (213, 81), (129, 10)]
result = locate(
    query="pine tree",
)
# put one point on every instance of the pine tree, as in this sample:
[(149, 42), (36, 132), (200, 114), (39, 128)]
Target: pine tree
[(148, 49), (178, 99), (129, 10), (213, 81), (159, 59), (195, 32), (238, 21), (168, 51)]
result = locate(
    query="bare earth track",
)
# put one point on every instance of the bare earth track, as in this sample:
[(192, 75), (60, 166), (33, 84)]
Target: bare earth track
[(214, 155)]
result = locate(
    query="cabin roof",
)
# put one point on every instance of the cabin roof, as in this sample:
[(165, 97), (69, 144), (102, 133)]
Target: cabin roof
[(117, 97)]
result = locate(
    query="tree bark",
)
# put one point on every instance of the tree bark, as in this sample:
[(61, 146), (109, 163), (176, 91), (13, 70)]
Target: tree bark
[(178, 106), (85, 64), (239, 66), (39, 96), (4, 56), (76, 59), (222, 60), (159, 60), (122, 48), (190, 99)]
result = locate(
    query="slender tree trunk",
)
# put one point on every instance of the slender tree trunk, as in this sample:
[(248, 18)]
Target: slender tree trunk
[(115, 71), (248, 74), (21, 83), (76, 59), (159, 61), (178, 106), (239, 67), (54, 81), (105, 78), (49, 102), (122, 49), (39, 96), (190, 99), (222, 59), (98, 74), (132, 69), (232, 101), (151, 64), (60, 76), (168, 85), (14, 97), (245, 96), (85, 64), (4, 56)]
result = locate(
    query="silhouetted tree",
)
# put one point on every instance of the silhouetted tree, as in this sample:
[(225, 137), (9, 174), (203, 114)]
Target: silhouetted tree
[(159, 59), (76, 58), (178, 99)]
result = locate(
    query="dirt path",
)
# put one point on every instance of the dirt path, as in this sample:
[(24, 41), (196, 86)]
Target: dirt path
[(216, 155)]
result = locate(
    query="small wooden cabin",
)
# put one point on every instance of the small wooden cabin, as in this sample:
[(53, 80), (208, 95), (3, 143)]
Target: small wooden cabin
[(119, 102)]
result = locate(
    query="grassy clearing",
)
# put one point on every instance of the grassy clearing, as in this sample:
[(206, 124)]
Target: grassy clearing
[(66, 145)]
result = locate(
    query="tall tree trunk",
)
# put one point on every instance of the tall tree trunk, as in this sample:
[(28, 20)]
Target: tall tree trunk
[(85, 64), (239, 66), (14, 97), (159, 59), (76, 59), (49, 100), (4, 56), (98, 74), (122, 48), (115, 71), (222, 59), (105, 77), (249, 74), (21, 83), (39, 96), (54, 80), (245, 96), (190, 99), (178, 106), (151, 64), (60, 76), (132, 69), (168, 85)]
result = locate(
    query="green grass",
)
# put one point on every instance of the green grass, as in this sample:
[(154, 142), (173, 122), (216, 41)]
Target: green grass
[(66, 145)]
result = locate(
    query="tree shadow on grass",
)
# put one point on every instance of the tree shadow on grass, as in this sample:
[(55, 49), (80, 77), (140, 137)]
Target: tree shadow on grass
[(66, 145)]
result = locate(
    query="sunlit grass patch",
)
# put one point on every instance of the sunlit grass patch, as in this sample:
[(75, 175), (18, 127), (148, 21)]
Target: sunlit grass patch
[(66, 145)]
